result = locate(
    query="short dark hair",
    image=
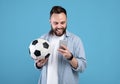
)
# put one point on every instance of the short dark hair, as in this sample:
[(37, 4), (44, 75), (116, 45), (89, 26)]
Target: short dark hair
[(58, 10)]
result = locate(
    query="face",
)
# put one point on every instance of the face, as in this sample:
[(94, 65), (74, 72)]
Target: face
[(58, 23)]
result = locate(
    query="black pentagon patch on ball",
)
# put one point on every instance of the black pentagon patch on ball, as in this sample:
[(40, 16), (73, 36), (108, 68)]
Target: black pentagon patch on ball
[(37, 53), (34, 42), (47, 55), (45, 45)]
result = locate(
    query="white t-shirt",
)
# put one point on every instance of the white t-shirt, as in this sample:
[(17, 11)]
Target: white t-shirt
[(52, 75)]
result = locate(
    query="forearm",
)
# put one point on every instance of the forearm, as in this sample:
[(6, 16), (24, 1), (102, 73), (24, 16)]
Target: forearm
[(74, 62), (77, 64)]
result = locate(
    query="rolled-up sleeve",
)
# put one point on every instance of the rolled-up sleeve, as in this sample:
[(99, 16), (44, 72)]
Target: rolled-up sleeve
[(79, 53)]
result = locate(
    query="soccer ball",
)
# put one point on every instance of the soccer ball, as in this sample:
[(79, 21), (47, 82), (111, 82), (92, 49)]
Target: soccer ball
[(39, 49)]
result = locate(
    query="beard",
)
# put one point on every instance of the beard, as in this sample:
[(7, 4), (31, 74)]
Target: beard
[(58, 31)]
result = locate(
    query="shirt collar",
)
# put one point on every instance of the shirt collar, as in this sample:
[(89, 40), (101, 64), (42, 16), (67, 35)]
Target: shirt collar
[(67, 33)]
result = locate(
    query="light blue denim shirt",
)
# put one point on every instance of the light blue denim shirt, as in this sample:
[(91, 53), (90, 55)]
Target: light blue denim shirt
[(66, 73)]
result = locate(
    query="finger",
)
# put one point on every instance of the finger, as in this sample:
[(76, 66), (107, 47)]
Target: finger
[(61, 50), (63, 47), (39, 60), (45, 60), (41, 63)]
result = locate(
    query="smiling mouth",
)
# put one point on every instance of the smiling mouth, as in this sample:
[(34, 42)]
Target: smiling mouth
[(59, 31)]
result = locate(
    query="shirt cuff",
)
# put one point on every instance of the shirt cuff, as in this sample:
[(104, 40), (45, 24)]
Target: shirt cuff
[(35, 64)]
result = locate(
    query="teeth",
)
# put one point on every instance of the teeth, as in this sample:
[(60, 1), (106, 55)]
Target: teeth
[(58, 30)]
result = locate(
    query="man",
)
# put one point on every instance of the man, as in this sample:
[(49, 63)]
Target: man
[(66, 61)]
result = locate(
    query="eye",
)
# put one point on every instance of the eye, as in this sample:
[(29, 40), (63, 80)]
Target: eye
[(55, 23), (63, 22)]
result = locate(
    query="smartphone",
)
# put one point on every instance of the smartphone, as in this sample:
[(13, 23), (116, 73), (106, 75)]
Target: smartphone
[(62, 42)]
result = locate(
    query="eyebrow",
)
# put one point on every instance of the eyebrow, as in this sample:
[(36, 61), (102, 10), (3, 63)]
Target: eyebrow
[(58, 22)]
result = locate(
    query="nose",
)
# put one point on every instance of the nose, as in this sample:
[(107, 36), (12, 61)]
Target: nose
[(59, 25)]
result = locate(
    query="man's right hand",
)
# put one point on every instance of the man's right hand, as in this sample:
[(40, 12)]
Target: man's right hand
[(41, 62)]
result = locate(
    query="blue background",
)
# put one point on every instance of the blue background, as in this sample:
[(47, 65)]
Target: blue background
[(97, 22)]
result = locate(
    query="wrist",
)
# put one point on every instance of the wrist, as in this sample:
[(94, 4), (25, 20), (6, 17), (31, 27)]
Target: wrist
[(71, 57), (39, 67)]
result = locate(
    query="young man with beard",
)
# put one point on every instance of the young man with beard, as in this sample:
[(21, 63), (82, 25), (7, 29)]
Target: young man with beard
[(66, 61)]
